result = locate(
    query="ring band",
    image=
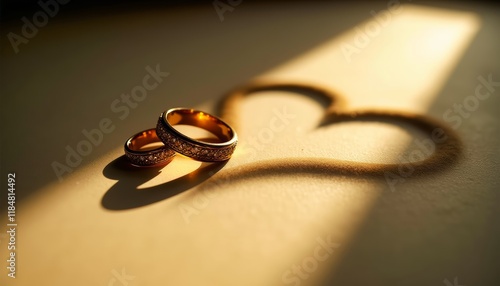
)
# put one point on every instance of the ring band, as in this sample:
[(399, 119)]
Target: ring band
[(151, 157), (196, 149)]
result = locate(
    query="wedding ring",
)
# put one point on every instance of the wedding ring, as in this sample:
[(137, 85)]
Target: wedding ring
[(139, 156), (197, 149)]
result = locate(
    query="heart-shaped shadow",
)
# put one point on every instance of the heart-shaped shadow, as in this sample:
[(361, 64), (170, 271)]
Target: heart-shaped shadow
[(125, 193), (446, 143)]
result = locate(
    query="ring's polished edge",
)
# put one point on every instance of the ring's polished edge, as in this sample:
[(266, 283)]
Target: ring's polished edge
[(198, 150), (158, 156)]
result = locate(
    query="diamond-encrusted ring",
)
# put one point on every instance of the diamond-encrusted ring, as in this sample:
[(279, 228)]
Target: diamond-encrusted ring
[(140, 156), (197, 149)]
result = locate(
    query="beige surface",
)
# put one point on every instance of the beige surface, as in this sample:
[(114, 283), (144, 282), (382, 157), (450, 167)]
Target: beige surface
[(251, 230)]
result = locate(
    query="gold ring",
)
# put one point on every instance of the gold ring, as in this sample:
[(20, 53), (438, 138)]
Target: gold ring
[(140, 156), (196, 149)]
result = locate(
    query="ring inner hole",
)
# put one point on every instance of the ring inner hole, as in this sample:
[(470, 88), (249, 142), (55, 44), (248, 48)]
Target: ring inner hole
[(146, 141), (151, 146), (200, 126)]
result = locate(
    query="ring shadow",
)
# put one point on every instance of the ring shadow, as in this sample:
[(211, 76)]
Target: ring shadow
[(125, 194)]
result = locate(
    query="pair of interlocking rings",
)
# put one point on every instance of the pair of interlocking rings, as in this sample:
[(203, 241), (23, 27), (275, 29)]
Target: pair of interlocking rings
[(447, 145), (176, 141)]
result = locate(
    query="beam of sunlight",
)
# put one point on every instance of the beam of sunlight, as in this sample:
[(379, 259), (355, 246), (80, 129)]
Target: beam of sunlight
[(403, 66)]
